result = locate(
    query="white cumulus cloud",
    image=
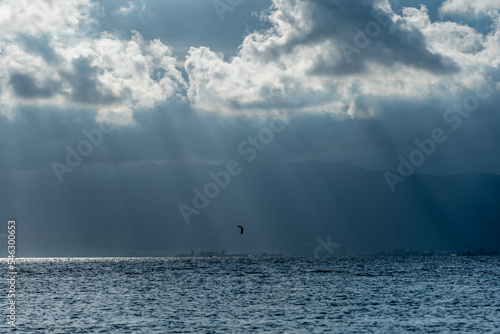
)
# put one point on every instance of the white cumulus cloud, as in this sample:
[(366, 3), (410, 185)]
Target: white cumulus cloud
[(470, 7), (45, 16), (40, 65), (319, 57), (338, 57)]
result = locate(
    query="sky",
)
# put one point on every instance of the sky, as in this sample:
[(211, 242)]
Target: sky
[(101, 93)]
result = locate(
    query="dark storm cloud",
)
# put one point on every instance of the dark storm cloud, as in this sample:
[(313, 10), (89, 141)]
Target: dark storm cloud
[(25, 86), (85, 87), (40, 46), (350, 23)]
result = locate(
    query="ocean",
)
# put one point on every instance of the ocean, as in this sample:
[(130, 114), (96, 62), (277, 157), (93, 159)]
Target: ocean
[(256, 295)]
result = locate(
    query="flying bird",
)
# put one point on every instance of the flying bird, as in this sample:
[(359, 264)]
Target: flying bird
[(241, 229)]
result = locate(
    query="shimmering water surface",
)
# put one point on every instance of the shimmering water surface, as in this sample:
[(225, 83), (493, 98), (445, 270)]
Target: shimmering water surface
[(258, 295)]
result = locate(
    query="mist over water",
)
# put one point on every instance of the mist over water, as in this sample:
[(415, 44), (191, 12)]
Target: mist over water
[(250, 295)]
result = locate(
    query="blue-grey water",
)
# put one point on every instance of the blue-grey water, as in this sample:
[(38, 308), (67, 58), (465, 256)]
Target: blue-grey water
[(257, 295)]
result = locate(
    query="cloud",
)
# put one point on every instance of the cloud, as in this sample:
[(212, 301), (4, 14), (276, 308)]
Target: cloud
[(51, 56), (42, 17), (464, 7), (477, 54), (26, 87), (130, 9), (319, 57), (39, 45), (338, 57)]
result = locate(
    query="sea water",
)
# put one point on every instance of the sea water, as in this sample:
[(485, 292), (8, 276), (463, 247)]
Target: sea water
[(256, 295)]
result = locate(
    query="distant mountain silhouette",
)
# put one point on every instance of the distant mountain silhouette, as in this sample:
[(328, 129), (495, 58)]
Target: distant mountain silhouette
[(284, 207), (297, 202)]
